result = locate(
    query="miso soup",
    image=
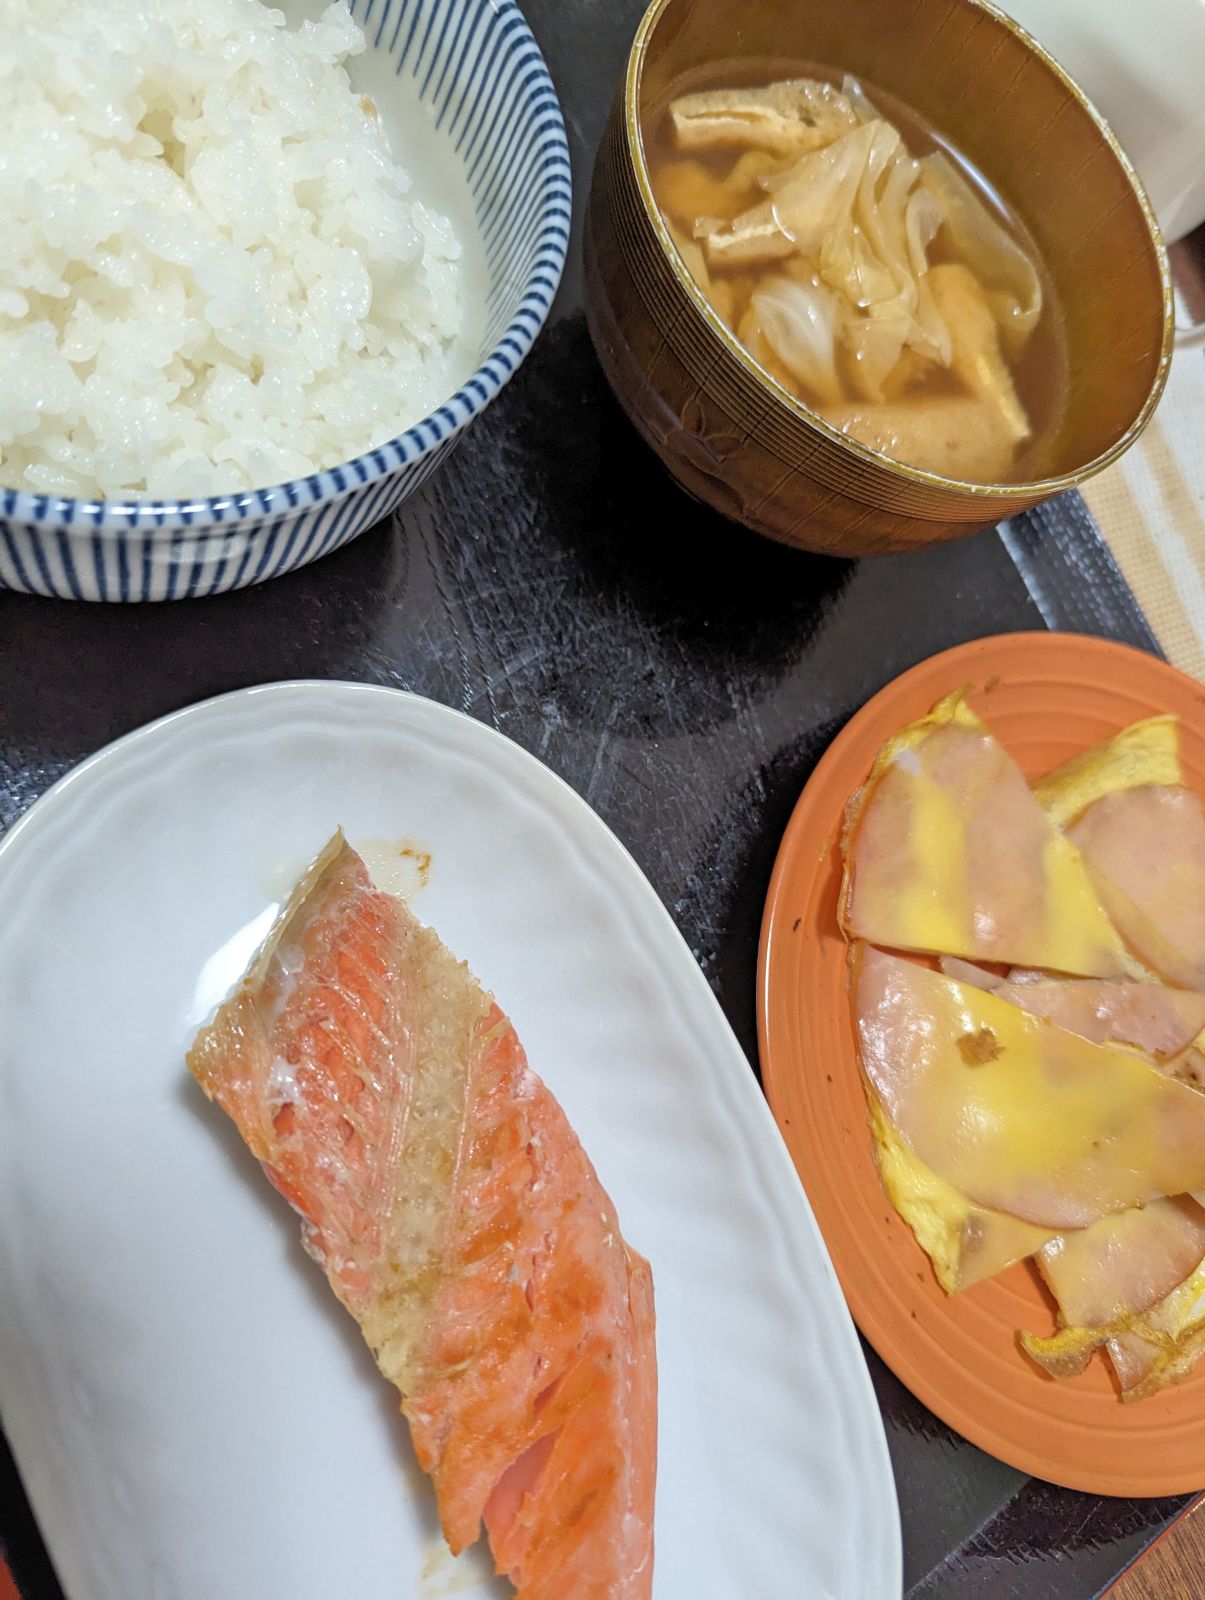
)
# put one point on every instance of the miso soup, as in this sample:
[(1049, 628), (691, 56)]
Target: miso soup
[(865, 265)]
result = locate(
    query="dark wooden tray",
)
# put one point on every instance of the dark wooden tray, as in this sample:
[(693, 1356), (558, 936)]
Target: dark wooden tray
[(683, 675)]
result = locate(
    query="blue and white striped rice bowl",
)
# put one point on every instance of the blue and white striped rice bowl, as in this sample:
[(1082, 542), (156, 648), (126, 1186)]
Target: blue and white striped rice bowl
[(475, 65)]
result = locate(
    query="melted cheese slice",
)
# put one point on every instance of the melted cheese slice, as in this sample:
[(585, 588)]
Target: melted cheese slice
[(948, 852), (1015, 1113)]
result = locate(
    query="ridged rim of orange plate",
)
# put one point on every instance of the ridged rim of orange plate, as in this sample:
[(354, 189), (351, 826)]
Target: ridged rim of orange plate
[(1046, 697)]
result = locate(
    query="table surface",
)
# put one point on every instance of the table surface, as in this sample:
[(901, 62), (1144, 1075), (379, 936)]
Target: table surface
[(683, 675), (1174, 1566)]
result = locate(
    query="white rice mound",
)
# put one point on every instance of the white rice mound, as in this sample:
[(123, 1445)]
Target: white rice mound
[(211, 275)]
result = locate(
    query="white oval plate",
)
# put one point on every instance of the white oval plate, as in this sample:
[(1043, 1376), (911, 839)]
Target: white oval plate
[(194, 1416)]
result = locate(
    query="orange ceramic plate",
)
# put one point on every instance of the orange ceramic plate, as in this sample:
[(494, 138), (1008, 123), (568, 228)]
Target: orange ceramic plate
[(1046, 697)]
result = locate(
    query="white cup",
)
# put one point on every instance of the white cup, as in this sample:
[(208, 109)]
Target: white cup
[(1142, 64)]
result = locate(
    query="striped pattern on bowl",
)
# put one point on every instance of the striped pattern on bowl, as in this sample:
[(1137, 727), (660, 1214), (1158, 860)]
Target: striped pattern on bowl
[(477, 67)]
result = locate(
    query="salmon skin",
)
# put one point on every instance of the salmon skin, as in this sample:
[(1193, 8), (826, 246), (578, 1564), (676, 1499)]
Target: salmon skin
[(459, 1220)]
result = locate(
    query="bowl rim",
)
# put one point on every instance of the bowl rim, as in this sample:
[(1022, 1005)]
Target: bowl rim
[(1008, 495), (239, 507)]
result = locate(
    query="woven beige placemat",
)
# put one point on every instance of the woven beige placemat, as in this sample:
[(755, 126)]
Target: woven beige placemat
[(1150, 508)]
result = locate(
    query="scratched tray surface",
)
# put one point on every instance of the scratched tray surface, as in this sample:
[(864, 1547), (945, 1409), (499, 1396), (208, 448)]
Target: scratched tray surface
[(681, 674)]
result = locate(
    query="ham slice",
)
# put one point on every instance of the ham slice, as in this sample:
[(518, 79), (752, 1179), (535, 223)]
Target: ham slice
[(1106, 1276), (1189, 1065), (1125, 1263), (966, 1243), (1145, 752), (1145, 848), (1017, 1114), (1163, 1346), (989, 978), (947, 852), (1163, 1022)]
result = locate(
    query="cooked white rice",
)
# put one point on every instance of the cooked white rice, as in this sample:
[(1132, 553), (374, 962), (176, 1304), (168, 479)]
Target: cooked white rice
[(211, 274)]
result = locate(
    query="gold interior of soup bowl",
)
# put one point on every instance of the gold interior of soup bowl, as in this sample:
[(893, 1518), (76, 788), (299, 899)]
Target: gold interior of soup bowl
[(738, 441)]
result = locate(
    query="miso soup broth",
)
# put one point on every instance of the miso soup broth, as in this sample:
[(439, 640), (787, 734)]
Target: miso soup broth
[(865, 265)]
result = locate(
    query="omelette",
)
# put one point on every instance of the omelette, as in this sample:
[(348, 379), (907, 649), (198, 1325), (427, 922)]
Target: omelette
[(1039, 1096)]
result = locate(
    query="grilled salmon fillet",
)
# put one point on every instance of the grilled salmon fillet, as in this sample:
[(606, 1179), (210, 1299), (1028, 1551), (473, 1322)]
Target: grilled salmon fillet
[(460, 1222)]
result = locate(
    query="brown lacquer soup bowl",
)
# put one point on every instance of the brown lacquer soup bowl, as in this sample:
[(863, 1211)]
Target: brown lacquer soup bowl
[(734, 437)]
